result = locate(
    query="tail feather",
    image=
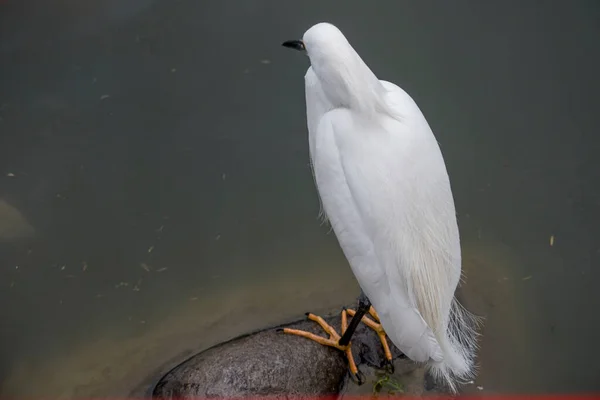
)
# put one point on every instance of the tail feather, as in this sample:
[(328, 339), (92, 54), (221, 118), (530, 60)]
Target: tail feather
[(459, 344)]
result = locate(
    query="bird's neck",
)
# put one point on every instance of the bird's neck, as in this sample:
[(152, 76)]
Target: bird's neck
[(349, 83)]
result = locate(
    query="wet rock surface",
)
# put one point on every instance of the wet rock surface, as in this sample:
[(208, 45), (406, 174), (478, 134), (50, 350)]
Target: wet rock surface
[(280, 365)]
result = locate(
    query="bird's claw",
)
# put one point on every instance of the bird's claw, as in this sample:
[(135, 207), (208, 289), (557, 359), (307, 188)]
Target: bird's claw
[(357, 378), (388, 366)]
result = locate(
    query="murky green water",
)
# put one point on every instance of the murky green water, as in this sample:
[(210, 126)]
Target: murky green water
[(155, 194)]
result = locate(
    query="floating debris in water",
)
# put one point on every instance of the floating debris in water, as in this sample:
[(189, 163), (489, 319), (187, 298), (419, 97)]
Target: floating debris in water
[(16, 267), (552, 240), (142, 322), (150, 249), (145, 267), (84, 266), (265, 61), (217, 237), (137, 286), (389, 384), (104, 96), (63, 267), (527, 278), (161, 269), (479, 387), (10, 174), (121, 284), (173, 69), (159, 230), (223, 176)]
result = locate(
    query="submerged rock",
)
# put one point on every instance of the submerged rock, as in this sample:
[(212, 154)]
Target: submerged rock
[(280, 365), (13, 225)]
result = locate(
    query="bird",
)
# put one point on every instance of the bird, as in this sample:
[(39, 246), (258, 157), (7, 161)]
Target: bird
[(385, 190)]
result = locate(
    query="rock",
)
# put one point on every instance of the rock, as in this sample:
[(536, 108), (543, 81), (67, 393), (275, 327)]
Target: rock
[(282, 366), (265, 363)]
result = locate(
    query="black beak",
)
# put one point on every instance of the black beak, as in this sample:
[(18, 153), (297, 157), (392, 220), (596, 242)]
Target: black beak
[(294, 44)]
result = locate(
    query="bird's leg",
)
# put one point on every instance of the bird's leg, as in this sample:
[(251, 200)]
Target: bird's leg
[(332, 341), (378, 328), (363, 306), (341, 343)]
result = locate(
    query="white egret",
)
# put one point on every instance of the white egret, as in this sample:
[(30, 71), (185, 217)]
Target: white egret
[(384, 188)]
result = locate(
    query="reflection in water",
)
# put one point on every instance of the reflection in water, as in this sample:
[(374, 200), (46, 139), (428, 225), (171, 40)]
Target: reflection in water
[(163, 164)]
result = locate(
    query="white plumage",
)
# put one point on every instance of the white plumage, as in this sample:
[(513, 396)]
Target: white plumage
[(384, 187)]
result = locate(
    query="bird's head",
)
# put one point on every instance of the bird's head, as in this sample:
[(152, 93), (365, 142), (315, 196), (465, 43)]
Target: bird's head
[(321, 42), (345, 79)]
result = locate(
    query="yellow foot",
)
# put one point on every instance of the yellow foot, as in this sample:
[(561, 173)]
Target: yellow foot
[(332, 341), (378, 328)]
